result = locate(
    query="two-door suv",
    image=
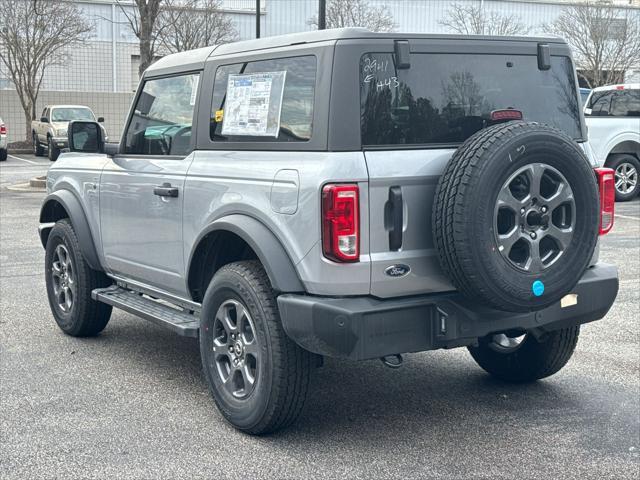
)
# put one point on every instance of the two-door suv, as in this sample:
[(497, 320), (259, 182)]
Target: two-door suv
[(338, 193)]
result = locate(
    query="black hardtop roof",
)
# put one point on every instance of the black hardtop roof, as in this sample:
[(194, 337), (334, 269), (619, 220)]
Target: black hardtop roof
[(194, 59), (357, 34)]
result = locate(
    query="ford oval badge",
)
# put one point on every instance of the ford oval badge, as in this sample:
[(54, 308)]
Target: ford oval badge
[(397, 271)]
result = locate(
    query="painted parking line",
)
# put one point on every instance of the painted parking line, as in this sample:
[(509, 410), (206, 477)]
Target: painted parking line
[(25, 160), (627, 217)]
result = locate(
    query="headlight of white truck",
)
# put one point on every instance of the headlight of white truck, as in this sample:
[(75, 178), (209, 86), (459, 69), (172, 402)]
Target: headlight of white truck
[(61, 132)]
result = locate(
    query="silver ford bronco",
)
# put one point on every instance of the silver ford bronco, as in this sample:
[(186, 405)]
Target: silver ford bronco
[(338, 193)]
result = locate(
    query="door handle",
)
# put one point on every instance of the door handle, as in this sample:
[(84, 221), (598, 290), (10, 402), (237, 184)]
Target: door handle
[(165, 190), (396, 218)]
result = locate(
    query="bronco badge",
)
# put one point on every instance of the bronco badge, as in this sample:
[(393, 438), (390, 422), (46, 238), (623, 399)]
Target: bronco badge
[(397, 271)]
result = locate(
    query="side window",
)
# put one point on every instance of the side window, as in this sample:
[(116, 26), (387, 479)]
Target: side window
[(626, 104), (296, 114), (600, 103), (45, 113), (163, 116)]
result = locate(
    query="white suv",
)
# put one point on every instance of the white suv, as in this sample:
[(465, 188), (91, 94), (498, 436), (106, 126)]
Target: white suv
[(612, 114)]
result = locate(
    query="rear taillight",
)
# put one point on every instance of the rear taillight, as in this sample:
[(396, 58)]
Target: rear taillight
[(607, 187), (340, 223), (3, 129)]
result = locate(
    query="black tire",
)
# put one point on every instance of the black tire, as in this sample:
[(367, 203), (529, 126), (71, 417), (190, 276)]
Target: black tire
[(532, 360), (85, 317), (623, 164), (283, 370), (466, 203), (38, 150), (3, 154), (53, 152)]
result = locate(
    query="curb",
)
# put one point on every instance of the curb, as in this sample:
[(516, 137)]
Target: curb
[(35, 185), (38, 182)]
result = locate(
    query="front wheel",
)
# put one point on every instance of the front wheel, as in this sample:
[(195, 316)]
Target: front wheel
[(258, 377), (38, 151), (70, 280), (52, 151), (521, 357)]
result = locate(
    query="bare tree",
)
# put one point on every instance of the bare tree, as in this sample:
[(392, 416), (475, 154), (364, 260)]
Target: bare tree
[(605, 40), (356, 13), (194, 24), (33, 36), (476, 20), (142, 17)]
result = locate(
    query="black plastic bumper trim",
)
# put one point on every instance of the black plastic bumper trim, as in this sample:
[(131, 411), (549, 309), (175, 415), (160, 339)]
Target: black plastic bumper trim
[(360, 328)]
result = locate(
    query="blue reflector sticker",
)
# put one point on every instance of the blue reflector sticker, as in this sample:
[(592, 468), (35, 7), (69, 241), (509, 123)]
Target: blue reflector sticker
[(538, 288)]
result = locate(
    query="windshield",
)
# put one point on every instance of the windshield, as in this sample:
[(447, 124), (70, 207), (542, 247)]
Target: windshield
[(446, 98), (68, 114)]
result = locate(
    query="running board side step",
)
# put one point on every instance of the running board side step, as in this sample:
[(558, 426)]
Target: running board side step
[(161, 313)]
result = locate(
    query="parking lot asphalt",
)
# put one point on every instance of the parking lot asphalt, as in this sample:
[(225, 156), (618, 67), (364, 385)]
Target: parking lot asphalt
[(132, 402)]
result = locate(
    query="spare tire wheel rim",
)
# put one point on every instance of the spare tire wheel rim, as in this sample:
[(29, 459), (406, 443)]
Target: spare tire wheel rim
[(534, 218)]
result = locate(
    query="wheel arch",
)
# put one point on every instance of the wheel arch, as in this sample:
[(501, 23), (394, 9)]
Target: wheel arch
[(629, 146), (64, 204), (239, 237)]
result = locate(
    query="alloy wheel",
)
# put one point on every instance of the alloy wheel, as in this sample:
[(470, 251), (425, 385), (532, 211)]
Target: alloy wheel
[(64, 279), (504, 343), (534, 217), (236, 351), (626, 178)]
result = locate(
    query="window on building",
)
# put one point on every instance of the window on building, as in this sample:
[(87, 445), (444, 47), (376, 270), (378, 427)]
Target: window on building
[(444, 98), (163, 115), (296, 115)]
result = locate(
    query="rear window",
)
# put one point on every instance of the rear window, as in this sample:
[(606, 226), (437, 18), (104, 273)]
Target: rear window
[(615, 103), (445, 98)]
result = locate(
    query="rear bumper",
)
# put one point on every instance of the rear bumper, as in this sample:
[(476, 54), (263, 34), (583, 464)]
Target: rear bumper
[(360, 328)]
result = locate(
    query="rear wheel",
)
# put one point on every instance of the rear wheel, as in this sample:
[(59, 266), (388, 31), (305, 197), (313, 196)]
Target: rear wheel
[(627, 169), (258, 377), (521, 357)]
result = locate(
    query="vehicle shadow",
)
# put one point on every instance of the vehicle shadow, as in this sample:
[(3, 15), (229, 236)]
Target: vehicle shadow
[(431, 392)]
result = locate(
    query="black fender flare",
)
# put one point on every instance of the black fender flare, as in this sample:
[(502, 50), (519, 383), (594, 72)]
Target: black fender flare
[(270, 252), (78, 219)]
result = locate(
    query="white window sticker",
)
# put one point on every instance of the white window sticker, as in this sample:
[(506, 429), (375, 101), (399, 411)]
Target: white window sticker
[(195, 79), (253, 104)]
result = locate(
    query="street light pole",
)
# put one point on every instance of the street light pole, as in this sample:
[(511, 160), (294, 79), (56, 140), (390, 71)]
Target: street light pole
[(322, 14), (257, 18)]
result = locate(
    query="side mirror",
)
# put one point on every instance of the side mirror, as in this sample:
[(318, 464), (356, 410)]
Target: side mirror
[(85, 136), (587, 112), (44, 119), (100, 119)]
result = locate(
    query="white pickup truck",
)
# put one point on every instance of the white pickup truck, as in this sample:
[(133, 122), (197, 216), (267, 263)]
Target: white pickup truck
[(612, 114), (50, 132)]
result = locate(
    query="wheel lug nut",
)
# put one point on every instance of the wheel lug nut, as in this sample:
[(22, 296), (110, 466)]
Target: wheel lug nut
[(533, 235), (544, 209), (522, 210)]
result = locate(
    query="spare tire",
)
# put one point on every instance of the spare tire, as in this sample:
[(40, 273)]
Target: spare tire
[(516, 216)]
